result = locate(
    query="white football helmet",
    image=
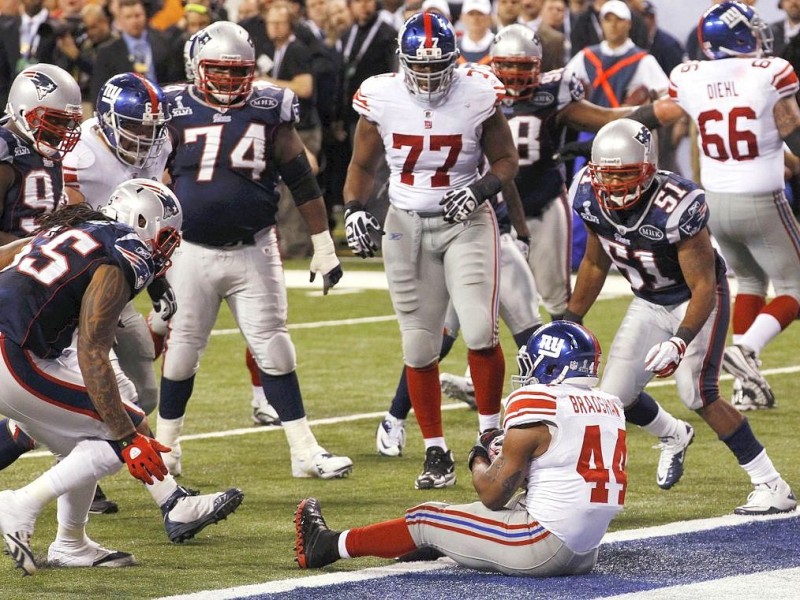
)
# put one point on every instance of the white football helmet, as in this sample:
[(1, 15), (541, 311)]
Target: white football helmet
[(516, 54), (44, 104), (154, 213), (223, 63), (623, 163)]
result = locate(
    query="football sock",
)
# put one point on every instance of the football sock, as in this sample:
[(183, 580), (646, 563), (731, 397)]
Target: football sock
[(643, 410), (13, 443), (169, 430), (162, 490), (521, 338), (745, 310), (743, 444), (284, 394), (664, 425), (488, 373), (252, 367), (73, 511), (385, 540), (401, 403), (776, 316), (436, 441), (761, 469), (426, 397), (174, 397), (301, 439)]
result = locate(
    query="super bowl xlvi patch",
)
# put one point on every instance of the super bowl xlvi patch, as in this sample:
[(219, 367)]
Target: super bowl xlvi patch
[(543, 98), (263, 103), (21, 151), (586, 215), (651, 232), (179, 110)]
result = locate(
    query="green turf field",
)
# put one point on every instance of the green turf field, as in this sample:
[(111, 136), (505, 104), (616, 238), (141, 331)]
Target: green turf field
[(352, 370)]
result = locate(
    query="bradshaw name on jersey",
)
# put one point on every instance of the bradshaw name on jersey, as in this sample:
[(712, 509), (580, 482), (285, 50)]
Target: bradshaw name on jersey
[(642, 243), (578, 485), (37, 188), (732, 101), (537, 135), (94, 170), (429, 149), (42, 290), (222, 169)]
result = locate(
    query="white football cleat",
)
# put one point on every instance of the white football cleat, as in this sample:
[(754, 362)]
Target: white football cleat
[(458, 388), (321, 464), (742, 362), (16, 532), (263, 412), (390, 438), (768, 499), (673, 453), (90, 554)]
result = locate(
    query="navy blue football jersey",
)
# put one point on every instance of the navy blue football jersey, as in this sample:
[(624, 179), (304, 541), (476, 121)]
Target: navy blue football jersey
[(42, 290), (642, 242), (222, 168), (37, 187), (538, 137)]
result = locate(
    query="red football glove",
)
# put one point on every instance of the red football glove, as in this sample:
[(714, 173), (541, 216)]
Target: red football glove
[(142, 455)]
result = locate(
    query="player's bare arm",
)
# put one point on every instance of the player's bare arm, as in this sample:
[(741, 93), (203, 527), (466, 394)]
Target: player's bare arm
[(696, 257), (586, 116), (592, 273), (6, 181), (667, 111), (499, 148), (497, 483), (106, 296), (10, 250), (515, 211), (367, 153), (73, 196), (787, 120)]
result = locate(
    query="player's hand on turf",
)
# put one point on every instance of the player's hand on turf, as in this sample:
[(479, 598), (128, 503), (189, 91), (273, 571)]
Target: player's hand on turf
[(324, 261), (663, 359), (142, 455), (163, 298), (358, 227), (459, 204)]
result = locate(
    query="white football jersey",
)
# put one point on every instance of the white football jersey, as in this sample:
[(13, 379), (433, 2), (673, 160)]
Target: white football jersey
[(578, 485), (732, 101), (429, 149), (94, 170)]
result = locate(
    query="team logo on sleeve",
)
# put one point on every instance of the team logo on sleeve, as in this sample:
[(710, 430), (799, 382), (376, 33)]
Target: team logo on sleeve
[(44, 85)]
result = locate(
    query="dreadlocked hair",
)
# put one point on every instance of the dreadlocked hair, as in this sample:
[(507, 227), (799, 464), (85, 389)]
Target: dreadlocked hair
[(70, 216)]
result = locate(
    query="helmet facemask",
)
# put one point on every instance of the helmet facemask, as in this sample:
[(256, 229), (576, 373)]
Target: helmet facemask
[(137, 141), (428, 76), (620, 187), (53, 132), (225, 82), (519, 75)]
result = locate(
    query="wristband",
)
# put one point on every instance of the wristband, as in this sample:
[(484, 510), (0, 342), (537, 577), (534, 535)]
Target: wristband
[(323, 243), (487, 186), (646, 115)]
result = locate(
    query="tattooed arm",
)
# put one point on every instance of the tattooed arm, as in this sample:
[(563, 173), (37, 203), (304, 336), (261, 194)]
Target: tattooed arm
[(102, 305), (496, 483)]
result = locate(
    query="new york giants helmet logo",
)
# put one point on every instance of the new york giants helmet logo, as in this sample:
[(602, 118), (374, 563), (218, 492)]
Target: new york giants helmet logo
[(43, 84)]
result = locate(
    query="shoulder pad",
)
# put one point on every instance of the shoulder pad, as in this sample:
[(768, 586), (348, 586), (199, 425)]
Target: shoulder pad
[(530, 404)]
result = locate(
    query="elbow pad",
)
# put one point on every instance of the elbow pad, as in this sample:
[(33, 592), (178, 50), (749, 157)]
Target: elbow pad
[(299, 179)]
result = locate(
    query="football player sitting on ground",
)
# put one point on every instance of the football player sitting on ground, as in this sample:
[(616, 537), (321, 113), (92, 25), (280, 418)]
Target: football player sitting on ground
[(102, 259), (652, 225), (562, 443)]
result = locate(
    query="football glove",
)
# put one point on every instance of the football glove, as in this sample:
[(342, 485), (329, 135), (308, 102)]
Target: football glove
[(460, 204), (488, 446), (163, 298), (665, 357), (142, 455), (324, 261), (358, 227), (524, 245)]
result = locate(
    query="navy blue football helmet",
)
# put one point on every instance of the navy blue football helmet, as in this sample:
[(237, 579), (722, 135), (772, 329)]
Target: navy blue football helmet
[(132, 113), (559, 352), (428, 54), (733, 29)]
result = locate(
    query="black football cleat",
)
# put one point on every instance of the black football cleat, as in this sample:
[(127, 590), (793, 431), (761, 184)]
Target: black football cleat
[(315, 544)]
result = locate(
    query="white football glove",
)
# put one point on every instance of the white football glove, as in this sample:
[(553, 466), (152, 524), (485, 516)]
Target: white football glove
[(324, 261), (459, 204), (524, 245), (665, 357), (358, 227)]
